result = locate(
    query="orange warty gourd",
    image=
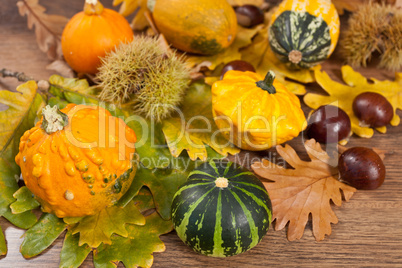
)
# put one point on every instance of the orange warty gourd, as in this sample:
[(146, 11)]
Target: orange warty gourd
[(90, 34), (77, 161)]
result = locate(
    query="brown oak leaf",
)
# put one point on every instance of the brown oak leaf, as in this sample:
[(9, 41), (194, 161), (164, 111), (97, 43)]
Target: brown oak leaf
[(48, 28), (307, 189)]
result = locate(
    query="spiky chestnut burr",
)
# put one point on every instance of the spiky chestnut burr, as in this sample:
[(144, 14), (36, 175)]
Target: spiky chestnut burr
[(374, 28), (144, 75)]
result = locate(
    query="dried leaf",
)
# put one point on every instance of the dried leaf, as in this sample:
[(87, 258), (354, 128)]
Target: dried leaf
[(42, 235), (130, 6), (48, 28), (343, 95), (260, 55), (25, 201), (137, 249), (307, 189), (61, 67), (243, 38), (98, 228), (194, 128)]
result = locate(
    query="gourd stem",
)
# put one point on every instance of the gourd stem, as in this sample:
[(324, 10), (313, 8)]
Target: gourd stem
[(53, 119), (93, 7), (268, 83)]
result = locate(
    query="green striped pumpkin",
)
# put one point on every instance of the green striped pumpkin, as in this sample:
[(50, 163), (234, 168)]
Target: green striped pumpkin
[(222, 210), (304, 33)]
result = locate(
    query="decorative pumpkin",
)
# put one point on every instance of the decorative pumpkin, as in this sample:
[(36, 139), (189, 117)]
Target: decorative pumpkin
[(90, 34), (256, 113), (203, 27), (222, 210), (77, 161), (304, 33)]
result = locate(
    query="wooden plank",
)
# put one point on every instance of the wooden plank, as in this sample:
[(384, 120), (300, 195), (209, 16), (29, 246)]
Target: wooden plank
[(369, 231)]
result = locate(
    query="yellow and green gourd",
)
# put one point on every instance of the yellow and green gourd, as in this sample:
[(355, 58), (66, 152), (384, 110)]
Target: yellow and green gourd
[(304, 33)]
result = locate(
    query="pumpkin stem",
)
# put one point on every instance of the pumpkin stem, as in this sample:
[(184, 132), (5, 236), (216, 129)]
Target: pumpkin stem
[(268, 83), (93, 7), (295, 56), (53, 119), (221, 182)]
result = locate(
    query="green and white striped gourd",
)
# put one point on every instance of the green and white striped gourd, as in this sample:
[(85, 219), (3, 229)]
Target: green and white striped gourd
[(304, 33), (222, 210)]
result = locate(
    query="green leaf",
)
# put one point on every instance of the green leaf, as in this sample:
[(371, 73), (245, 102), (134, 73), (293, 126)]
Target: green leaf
[(143, 200), (3, 245), (25, 201), (98, 228), (42, 235), (73, 255), (20, 115), (163, 184), (136, 250), (22, 220), (194, 130), (150, 146)]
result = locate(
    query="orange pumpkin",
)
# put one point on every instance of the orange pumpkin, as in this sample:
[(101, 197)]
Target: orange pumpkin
[(77, 161), (90, 34)]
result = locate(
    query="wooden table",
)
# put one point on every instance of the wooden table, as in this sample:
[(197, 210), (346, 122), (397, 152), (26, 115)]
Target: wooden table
[(369, 232)]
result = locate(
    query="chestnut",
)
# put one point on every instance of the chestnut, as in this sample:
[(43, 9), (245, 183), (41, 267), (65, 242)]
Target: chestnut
[(362, 168), (328, 124), (249, 15), (373, 109), (239, 65)]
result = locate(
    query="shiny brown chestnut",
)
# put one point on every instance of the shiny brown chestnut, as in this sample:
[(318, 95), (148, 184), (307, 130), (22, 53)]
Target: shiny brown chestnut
[(249, 15), (373, 109), (239, 65), (362, 168), (328, 124)]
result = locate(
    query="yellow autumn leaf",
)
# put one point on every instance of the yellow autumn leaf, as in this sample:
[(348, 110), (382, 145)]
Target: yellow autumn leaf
[(194, 129), (343, 95), (243, 38), (128, 7), (97, 229), (260, 55)]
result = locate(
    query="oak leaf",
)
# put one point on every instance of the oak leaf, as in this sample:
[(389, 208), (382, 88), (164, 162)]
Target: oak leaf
[(140, 21), (343, 95), (42, 235), (48, 28), (97, 229), (194, 128), (307, 189), (137, 249), (25, 201)]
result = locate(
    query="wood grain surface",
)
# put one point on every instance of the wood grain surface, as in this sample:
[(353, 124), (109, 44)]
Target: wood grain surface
[(369, 231)]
